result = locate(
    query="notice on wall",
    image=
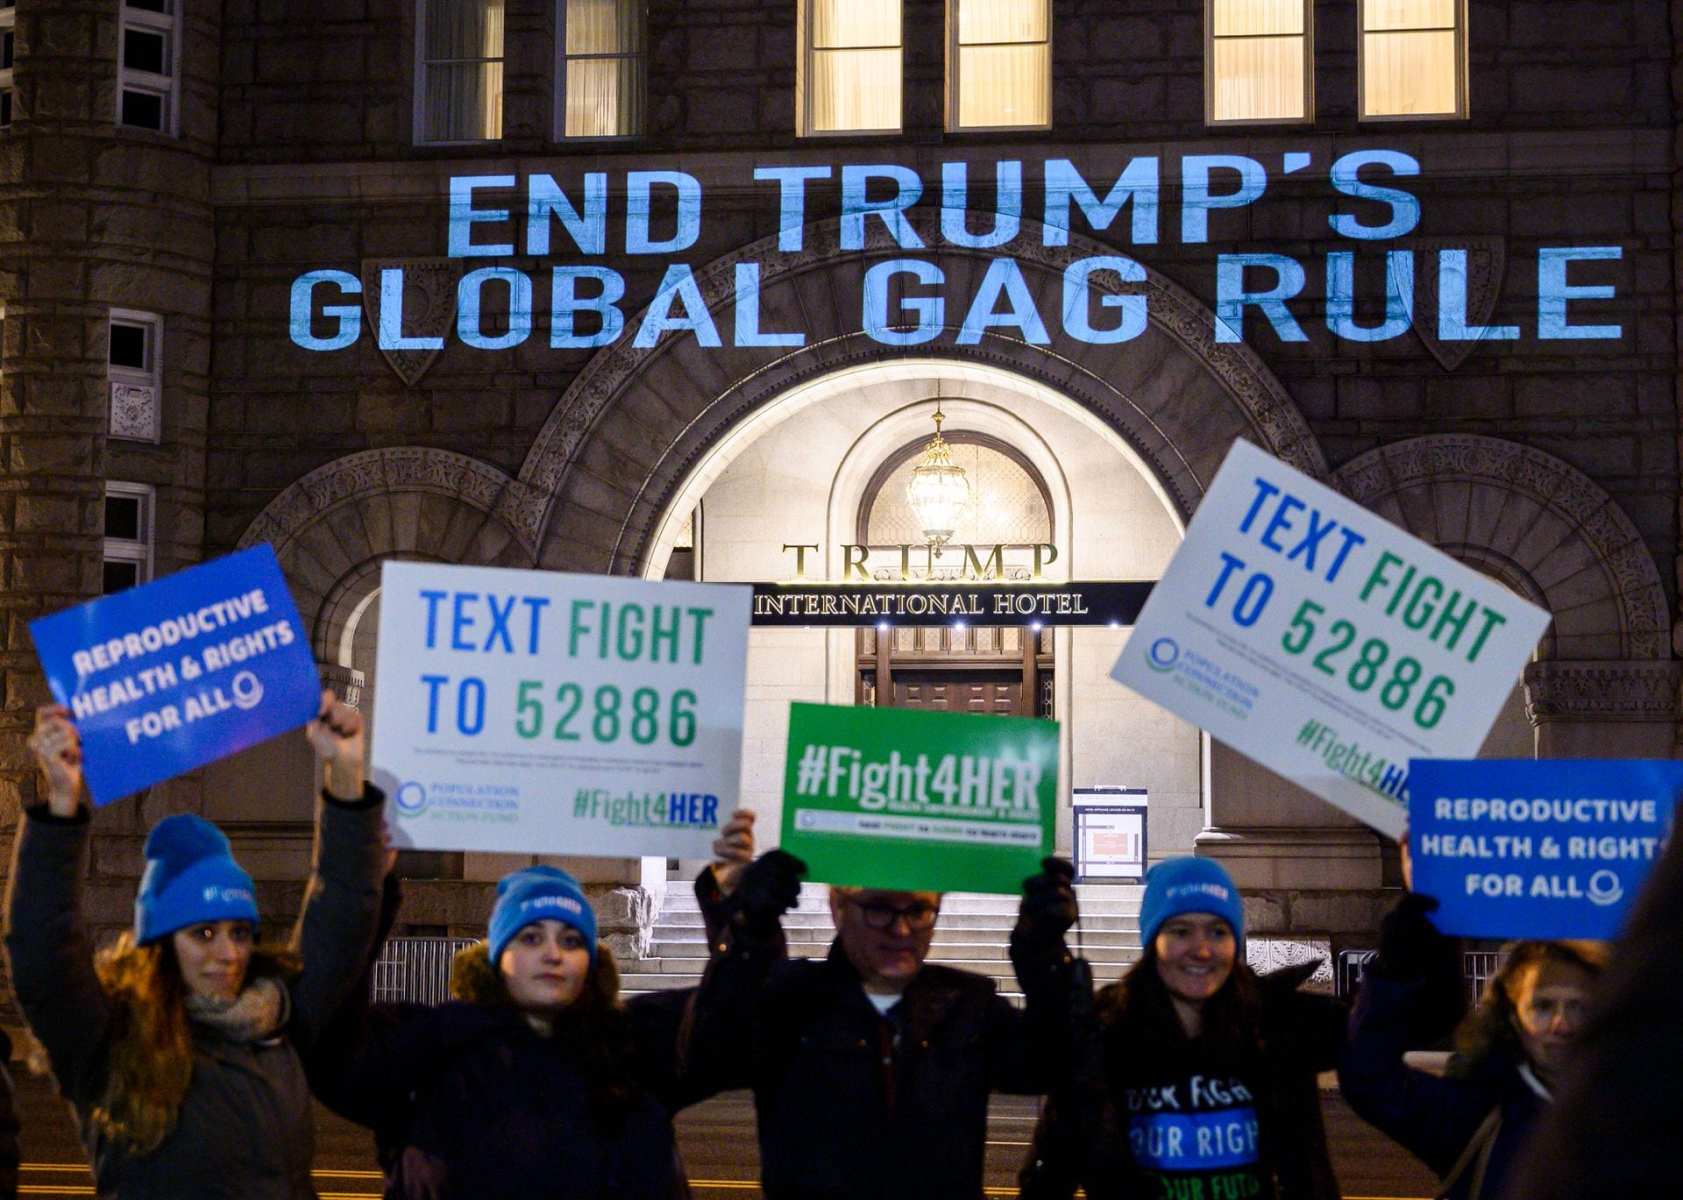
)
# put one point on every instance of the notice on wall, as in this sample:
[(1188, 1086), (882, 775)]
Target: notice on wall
[(164, 678), (1324, 642), (1524, 848), (919, 801), (537, 712)]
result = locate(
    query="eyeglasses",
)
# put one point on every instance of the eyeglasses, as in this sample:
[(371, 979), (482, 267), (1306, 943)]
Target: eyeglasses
[(918, 917)]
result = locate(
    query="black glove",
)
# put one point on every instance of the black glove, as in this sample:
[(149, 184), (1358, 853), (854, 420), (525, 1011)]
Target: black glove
[(1045, 915), (1409, 944), (769, 887)]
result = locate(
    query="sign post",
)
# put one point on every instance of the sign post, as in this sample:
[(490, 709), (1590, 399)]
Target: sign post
[(1323, 641), (532, 711), (919, 801), (1110, 841)]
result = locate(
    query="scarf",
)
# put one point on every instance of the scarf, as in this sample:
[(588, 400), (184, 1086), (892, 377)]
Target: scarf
[(257, 1013)]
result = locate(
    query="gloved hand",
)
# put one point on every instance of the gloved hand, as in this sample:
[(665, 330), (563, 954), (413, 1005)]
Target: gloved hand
[(1047, 911), (1409, 944), (769, 887)]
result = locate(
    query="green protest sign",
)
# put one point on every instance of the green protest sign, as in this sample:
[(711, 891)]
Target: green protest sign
[(919, 801)]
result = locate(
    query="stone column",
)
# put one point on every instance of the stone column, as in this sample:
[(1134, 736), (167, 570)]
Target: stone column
[(1609, 709)]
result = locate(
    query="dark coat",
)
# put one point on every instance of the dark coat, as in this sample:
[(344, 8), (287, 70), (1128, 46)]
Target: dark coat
[(1432, 1118), (9, 1155), (246, 1126), (844, 1114), (469, 1103), (1615, 1129), (1081, 1139)]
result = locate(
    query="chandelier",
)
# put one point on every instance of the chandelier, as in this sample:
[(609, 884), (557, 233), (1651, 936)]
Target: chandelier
[(938, 492)]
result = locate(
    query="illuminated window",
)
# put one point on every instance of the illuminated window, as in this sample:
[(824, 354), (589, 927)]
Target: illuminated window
[(601, 93), (8, 19), (999, 64), (848, 70), (1413, 58), (128, 535), (148, 81), (1258, 60), (134, 375), (459, 71)]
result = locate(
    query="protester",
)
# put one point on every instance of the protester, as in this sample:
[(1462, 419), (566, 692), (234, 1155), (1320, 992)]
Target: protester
[(9, 1154), (1468, 1125), (1615, 1131), (536, 1080), (178, 1046), (1192, 1076), (871, 1068)]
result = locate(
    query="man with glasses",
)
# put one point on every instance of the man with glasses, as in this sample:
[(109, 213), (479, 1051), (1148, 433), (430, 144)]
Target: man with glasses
[(870, 1067)]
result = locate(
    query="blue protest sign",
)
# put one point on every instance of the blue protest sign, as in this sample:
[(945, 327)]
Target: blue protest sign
[(1524, 848), (164, 678)]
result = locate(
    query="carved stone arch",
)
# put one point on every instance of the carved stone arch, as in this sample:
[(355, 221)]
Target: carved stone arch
[(332, 528), (1539, 524), (636, 421)]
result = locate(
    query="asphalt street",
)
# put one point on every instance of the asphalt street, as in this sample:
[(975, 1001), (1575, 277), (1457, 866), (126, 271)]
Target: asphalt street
[(718, 1144)]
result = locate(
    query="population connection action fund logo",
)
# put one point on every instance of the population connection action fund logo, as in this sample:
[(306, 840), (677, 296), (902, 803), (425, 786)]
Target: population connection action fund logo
[(411, 798), (1163, 654)]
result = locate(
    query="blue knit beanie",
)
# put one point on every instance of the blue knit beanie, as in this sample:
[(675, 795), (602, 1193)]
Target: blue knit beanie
[(190, 877), (539, 894), (1189, 885)]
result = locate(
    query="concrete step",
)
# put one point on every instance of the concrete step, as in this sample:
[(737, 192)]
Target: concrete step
[(1001, 922), (953, 904), (691, 957), (646, 980), (670, 943)]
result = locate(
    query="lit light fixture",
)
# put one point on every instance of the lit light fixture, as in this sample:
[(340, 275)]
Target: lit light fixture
[(938, 491)]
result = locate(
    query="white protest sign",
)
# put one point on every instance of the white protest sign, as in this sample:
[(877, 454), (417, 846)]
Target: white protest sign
[(1323, 641), (537, 712)]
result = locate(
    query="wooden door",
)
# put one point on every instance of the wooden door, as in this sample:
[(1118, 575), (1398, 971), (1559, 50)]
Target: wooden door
[(995, 693)]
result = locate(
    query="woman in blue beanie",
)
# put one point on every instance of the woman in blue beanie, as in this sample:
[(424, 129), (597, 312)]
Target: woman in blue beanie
[(1192, 1076), (178, 1046), (536, 1080)]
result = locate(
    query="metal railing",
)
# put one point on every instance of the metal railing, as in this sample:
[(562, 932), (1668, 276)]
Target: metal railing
[(415, 969), (1478, 968)]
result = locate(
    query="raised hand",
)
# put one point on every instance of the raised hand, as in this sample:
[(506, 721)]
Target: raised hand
[(336, 735), (733, 849), (58, 752), (769, 887), (1048, 908)]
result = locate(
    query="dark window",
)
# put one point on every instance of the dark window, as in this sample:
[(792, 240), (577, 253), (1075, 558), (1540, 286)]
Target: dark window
[(141, 110), (5, 106), (158, 6), (6, 50), (120, 574), (122, 518), (128, 346), (143, 50)]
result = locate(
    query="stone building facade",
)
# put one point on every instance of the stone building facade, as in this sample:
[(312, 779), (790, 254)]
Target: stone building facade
[(291, 143)]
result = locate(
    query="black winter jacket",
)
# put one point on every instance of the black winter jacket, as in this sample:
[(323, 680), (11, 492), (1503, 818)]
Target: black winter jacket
[(246, 1130), (1082, 1137), (469, 1103), (851, 1105), (1433, 1118)]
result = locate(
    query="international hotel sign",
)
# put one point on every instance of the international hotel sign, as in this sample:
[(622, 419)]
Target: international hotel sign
[(975, 588)]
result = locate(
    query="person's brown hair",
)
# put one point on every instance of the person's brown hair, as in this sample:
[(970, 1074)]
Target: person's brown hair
[(150, 1060), (1230, 1018), (1492, 1027)]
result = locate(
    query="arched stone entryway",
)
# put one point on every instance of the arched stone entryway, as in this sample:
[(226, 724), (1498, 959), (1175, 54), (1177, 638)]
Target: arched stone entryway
[(632, 426)]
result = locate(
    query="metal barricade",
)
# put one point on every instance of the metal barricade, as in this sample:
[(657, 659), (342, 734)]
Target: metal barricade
[(415, 969), (1478, 968), (1347, 971)]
